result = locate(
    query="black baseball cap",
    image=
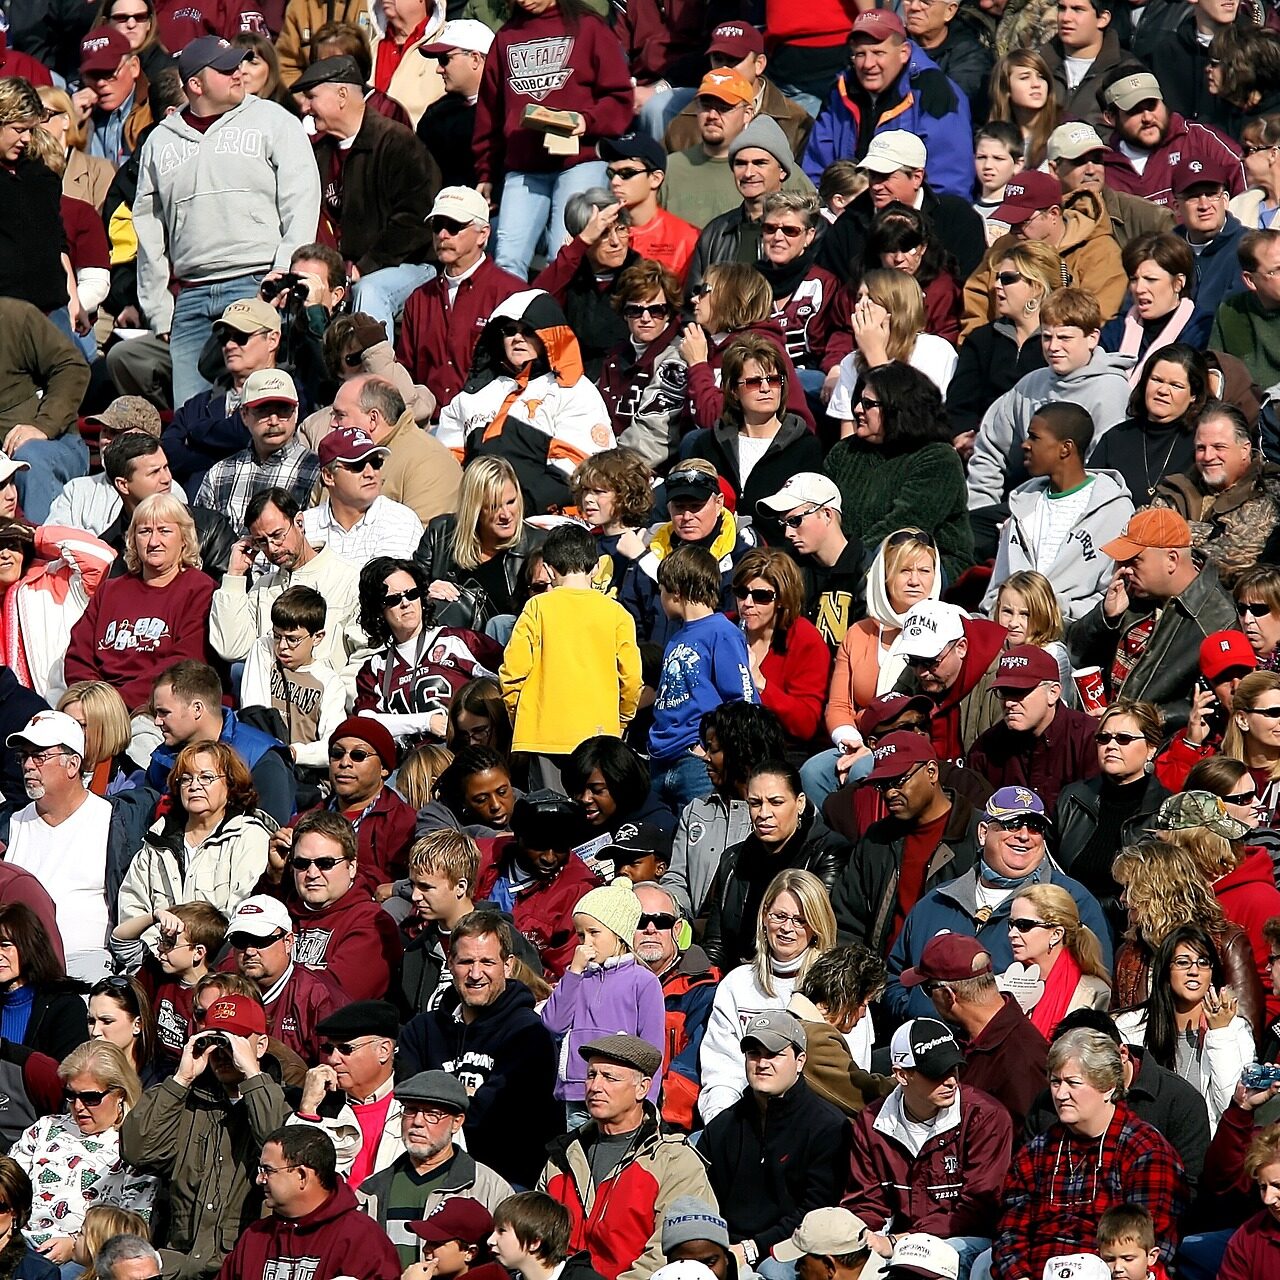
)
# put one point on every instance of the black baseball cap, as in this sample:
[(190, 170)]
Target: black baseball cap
[(690, 482), (339, 70), (209, 51), (633, 841), (634, 146)]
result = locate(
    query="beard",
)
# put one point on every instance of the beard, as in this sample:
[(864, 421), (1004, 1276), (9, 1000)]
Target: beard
[(428, 1150)]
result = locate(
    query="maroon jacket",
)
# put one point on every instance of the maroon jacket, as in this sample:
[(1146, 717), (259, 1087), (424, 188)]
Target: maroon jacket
[(1007, 1060), (336, 1239), (544, 914), (437, 342), (807, 316), (352, 940), (307, 999), (18, 885), (665, 39), (383, 837), (1184, 140), (951, 1189)]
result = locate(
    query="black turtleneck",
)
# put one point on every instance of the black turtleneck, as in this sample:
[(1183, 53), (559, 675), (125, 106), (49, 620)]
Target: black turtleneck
[(1118, 802)]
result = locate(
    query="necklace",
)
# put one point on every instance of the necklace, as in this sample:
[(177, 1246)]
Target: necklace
[(1146, 465)]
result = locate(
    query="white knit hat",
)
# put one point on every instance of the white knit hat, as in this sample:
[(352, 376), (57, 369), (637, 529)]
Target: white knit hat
[(615, 906)]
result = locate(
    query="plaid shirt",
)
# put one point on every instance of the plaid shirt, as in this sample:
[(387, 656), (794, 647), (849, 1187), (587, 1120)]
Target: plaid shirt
[(229, 484), (1132, 646), (1060, 1186)]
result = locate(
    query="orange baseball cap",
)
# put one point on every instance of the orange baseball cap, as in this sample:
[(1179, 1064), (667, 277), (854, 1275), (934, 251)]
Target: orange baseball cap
[(727, 86), (1155, 527)]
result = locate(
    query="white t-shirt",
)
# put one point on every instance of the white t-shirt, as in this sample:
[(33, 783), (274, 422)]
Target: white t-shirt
[(750, 451), (934, 357), (1052, 519), (1136, 157), (70, 860), (1076, 69)]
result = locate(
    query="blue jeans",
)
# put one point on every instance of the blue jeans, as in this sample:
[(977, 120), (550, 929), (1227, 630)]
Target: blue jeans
[(382, 294), (533, 203), (678, 780), (194, 311), (53, 463), (970, 1248), (658, 113), (818, 775)]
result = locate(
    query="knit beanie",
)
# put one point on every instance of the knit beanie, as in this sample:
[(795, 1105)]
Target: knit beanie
[(765, 134), (689, 1218), (615, 906)]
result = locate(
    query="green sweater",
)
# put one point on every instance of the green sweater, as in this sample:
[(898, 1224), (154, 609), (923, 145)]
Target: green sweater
[(36, 357), (1244, 330), (882, 493)]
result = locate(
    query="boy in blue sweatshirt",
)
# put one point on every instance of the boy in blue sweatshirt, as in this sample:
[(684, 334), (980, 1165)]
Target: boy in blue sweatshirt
[(705, 663)]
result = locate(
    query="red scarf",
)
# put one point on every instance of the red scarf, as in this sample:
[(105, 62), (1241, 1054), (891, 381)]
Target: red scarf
[(1059, 987)]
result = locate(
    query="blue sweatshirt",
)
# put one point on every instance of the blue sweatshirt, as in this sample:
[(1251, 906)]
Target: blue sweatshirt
[(705, 663)]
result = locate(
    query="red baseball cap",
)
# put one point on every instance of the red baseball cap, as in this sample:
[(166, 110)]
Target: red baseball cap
[(237, 1014), (878, 24), (1223, 651), (898, 753), (1026, 194), (889, 706), (102, 50), (458, 1218), (1025, 667), (950, 957), (736, 40)]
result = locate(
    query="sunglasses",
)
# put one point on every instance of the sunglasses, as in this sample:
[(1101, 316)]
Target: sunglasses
[(356, 468), (907, 244), (243, 941), (357, 755), (345, 1047), (1271, 713), (1023, 822), (1253, 610), (896, 784), (643, 310), (773, 228), (762, 382), (1243, 797), (514, 329), (1124, 739), (758, 595), (794, 522), (1006, 278), (659, 920), (439, 224), (353, 359), (699, 291), (87, 1097), (625, 175), (398, 598), (865, 404), (1025, 925), (320, 864), (927, 664)]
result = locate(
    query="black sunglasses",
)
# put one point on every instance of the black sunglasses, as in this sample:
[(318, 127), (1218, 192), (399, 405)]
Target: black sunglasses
[(1006, 278), (321, 864), (514, 328), (1025, 925), (1271, 713), (1124, 739), (641, 310), (399, 597), (759, 595), (358, 755), (794, 522), (659, 920), (1253, 610), (89, 1097), (353, 359), (1023, 822), (1242, 797), (356, 468), (243, 941), (454, 228)]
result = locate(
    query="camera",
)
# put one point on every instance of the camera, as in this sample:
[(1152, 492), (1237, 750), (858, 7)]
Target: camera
[(1260, 1075), (291, 283)]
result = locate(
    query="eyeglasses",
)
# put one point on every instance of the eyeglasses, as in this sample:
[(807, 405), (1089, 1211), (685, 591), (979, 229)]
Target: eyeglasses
[(1024, 924), (266, 1170), (1006, 278), (344, 1047), (757, 595), (1023, 822), (226, 335), (928, 664), (1123, 739), (1191, 962), (202, 780), (699, 291), (1253, 148), (243, 941), (1253, 610), (357, 755), (794, 522), (1273, 960), (784, 228), (780, 918), (357, 468), (38, 758), (398, 598), (432, 1115), (320, 864), (708, 105), (907, 243), (643, 310), (288, 642), (274, 539), (763, 381), (625, 175), (865, 404), (514, 329), (51, 114), (884, 785), (1244, 797), (1271, 713), (659, 920), (103, 77), (87, 1097)]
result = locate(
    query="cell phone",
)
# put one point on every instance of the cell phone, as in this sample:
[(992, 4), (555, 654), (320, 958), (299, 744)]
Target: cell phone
[(1203, 685), (1260, 1075)]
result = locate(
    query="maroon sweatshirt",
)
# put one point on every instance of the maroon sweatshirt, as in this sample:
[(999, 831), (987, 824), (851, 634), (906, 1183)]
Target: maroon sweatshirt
[(335, 1239), (131, 632), (352, 940), (308, 999), (541, 60)]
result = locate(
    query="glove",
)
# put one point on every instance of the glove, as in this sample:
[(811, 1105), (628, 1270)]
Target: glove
[(368, 331), (934, 93)]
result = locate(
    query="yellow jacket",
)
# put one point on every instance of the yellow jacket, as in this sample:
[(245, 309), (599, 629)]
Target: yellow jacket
[(571, 670)]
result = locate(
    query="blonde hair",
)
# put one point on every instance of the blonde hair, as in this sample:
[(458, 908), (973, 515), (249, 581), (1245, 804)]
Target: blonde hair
[(739, 296), (418, 772), (452, 854), (1035, 262), (815, 906), (106, 719), (56, 99), (101, 1222), (916, 543), (483, 481), (1055, 906), (43, 146), (163, 506), (1248, 691), (1165, 888), (1044, 615), (901, 296), (19, 102), (108, 1066), (1215, 855)]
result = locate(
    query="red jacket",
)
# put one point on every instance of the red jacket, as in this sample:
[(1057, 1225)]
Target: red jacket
[(353, 940), (1248, 897), (1184, 140), (437, 342), (809, 316), (665, 39), (1253, 1251), (952, 1188), (13, 62), (543, 913), (986, 642), (307, 999), (1177, 760), (687, 992), (336, 1239), (797, 680)]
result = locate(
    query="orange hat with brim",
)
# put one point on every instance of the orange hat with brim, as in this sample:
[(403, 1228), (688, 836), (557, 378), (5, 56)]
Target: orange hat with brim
[(1156, 527)]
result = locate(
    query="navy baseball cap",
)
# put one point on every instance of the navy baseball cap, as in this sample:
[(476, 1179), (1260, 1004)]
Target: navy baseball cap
[(634, 146)]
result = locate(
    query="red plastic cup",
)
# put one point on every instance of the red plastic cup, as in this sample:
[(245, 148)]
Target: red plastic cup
[(1093, 693)]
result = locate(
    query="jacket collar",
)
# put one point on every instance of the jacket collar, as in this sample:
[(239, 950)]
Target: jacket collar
[(891, 1121)]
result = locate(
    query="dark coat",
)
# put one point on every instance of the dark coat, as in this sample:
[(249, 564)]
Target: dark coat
[(57, 1022), (445, 129), (1217, 266), (966, 62), (17, 705), (990, 363), (1180, 63), (435, 553), (1081, 103)]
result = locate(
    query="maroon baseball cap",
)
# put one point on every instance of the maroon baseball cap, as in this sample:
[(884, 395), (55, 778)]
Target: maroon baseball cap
[(877, 25), (736, 39), (458, 1218), (1025, 194), (1225, 651), (898, 753), (102, 50), (1024, 667), (237, 1014), (1190, 173), (890, 706), (950, 957), (349, 444)]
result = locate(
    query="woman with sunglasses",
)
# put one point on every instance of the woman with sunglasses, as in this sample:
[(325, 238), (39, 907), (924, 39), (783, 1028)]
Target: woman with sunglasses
[(410, 681), (1190, 1023), (1253, 737), (120, 1013), (136, 21), (210, 846), (1095, 816), (84, 177), (1256, 208), (526, 400), (1047, 934), (18, 1260), (643, 376), (1257, 594), (75, 1157), (759, 442)]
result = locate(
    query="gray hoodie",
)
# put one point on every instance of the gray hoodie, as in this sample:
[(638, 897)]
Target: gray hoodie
[(1101, 387), (1080, 571), (231, 202)]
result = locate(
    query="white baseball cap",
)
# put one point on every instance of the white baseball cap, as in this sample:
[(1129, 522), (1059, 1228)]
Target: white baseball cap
[(461, 33), (460, 204), (803, 488), (893, 150), (1076, 1266), (11, 466), (49, 729), (920, 1254), (263, 386), (928, 629), (260, 916)]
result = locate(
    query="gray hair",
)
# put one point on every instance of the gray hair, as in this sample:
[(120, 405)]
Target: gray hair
[(1220, 410), (1097, 1054), (378, 394), (804, 204), (123, 1248), (579, 207)]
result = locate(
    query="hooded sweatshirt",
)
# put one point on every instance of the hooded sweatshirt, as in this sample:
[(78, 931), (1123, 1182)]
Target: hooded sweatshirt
[(332, 1240), (352, 940), (1101, 387)]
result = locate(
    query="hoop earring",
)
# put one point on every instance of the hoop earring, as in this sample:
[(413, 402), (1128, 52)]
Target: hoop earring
[(1031, 306)]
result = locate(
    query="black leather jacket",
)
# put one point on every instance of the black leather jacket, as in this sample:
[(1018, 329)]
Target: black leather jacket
[(435, 554), (213, 532)]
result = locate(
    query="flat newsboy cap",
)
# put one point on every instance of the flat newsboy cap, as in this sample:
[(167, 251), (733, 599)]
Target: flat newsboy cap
[(435, 1086), (363, 1018), (339, 70), (631, 1051)]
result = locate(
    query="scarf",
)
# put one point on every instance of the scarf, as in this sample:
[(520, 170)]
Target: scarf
[(1135, 332), (880, 609), (1059, 988), (995, 880), (784, 279)]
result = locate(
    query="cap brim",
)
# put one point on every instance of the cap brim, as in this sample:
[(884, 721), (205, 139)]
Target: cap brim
[(227, 60), (1013, 213), (787, 1251), (280, 399), (434, 50), (913, 978), (690, 491), (880, 164), (1122, 548)]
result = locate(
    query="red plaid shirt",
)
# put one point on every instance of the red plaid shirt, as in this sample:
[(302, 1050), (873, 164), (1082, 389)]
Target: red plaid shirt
[(1060, 1186), (1131, 647)]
